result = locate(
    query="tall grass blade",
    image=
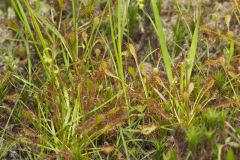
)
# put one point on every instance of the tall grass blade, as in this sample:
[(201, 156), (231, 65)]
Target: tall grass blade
[(192, 53), (162, 41), (117, 37)]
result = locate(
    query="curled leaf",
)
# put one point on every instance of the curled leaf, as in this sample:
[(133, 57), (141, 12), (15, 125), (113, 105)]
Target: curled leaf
[(148, 129)]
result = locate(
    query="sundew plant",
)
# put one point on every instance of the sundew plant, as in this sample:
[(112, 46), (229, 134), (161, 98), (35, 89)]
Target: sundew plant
[(119, 79)]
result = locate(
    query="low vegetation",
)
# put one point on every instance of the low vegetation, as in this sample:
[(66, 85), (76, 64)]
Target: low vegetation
[(114, 79)]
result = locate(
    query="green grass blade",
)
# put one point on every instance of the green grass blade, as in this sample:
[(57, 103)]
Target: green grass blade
[(57, 33), (192, 53), (163, 43), (124, 144), (117, 37)]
